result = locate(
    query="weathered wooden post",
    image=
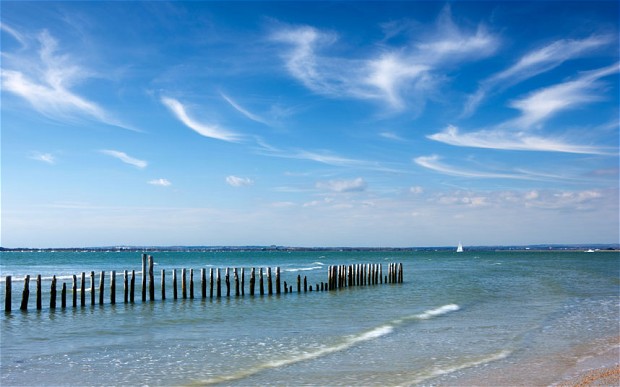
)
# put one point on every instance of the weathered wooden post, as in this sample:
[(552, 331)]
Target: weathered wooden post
[(260, 280), (269, 285), (74, 291), (7, 294), (252, 281), (174, 284), (191, 284), (25, 293), (305, 284), (125, 287), (132, 286), (83, 289), (278, 280), (236, 276), (400, 271), (39, 292), (380, 273), (101, 287), (151, 279), (218, 284), (92, 288), (53, 293), (227, 282), (143, 277), (184, 283), (211, 282), (113, 287), (243, 281), (63, 295), (203, 283), (285, 287), (298, 283), (163, 284)]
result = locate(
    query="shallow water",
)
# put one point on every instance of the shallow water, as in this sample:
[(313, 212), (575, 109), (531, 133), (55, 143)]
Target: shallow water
[(456, 316)]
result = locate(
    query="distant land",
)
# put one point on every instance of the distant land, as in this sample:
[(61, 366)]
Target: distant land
[(538, 247)]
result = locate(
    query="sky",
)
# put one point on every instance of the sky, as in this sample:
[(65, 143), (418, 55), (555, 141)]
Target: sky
[(354, 123)]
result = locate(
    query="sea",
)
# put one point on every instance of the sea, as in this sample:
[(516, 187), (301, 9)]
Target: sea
[(471, 318)]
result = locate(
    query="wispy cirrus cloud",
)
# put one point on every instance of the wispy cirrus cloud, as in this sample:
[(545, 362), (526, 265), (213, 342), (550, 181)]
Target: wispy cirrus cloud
[(536, 62), (519, 140), (124, 157), (393, 76), (46, 79), (245, 112), (206, 130), (535, 109), (236, 181), (434, 163)]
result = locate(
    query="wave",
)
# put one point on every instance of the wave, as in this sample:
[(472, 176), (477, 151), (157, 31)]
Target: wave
[(346, 343), (296, 269), (436, 372)]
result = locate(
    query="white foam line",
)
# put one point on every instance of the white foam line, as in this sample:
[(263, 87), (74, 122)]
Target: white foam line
[(348, 343), (438, 311), (436, 372)]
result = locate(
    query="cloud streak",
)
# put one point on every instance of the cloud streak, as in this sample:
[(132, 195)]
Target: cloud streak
[(206, 130), (235, 181), (122, 156), (46, 80), (245, 112), (160, 182)]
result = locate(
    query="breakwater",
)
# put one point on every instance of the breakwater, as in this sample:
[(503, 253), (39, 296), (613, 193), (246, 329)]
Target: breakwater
[(217, 283)]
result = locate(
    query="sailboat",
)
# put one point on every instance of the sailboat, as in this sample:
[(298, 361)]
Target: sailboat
[(459, 249)]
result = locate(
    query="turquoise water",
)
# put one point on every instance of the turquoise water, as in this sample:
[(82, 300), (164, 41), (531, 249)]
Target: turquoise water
[(455, 316)]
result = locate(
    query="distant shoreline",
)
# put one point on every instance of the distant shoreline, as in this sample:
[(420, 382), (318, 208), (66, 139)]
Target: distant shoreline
[(529, 248)]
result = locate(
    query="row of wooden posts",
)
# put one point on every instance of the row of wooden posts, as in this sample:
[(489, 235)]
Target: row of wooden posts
[(338, 277)]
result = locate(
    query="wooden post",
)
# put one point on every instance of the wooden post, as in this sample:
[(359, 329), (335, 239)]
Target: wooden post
[(143, 277), (184, 283), (305, 284), (25, 293), (151, 280), (400, 271), (113, 287), (329, 276), (203, 283), (243, 281), (269, 286), (53, 293), (92, 288), (83, 289), (74, 291), (261, 284), (132, 286), (380, 273), (278, 280), (191, 284), (101, 287), (174, 284), (63, 295), (38, 291), (285, 287), (298, 283), (236, 276), (218, 284), (7, 294), (163, 284), (125, 287), (252, 281), (227, 282), (211, 282)]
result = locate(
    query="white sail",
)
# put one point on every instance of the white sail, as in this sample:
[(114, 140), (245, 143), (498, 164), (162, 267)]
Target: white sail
[(459, 249)]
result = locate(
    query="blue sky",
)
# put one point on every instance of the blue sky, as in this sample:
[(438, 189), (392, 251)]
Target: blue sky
[(309, 123)]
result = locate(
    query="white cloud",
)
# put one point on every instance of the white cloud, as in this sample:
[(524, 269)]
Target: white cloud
[(518, 140), (44, 157), (399, 77), (416, 189), (46, 82), (245, 112), (354, 185), (122, 156), (160, 182), (236, 181), (535, 62), (206, 130)]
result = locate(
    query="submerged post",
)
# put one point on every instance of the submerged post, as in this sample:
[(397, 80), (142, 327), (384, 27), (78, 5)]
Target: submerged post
[(113, 287), (203, 283), (38, 292), (269, 286), (184, 283), (174, 284), (163, 284), (151, 280), (211, 282), (101, 287), (219, 284), (236, 276), (261, 284), (252, 281), (132, 286), (92, 288), (191, 284), (74, 291), (143, 277), (227, 282), (63, 295), (125, 287), (278, 280)]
